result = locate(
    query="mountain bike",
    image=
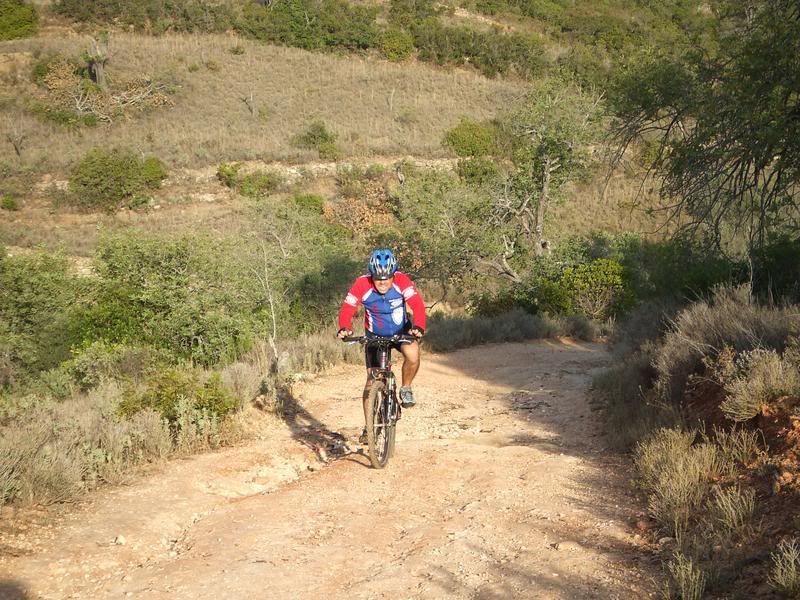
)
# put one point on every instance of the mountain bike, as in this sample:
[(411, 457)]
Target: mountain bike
[(383, 407)]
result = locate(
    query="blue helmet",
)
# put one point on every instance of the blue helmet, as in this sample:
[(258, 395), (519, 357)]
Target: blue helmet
[(382, 263)]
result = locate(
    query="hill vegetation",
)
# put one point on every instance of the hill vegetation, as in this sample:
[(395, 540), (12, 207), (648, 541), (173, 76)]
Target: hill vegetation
[(225, 167)]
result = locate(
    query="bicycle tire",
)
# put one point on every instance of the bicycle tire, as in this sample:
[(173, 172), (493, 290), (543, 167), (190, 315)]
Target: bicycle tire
[(378, 434)]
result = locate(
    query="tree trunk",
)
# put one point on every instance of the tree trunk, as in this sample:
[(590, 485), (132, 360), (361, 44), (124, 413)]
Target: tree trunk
[(541, 209)]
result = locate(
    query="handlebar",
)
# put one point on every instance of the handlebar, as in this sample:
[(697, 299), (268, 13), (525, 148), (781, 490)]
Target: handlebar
[(379, 339)]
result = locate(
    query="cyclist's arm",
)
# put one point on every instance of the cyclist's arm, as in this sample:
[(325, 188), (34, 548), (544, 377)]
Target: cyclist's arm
[(351, 303)]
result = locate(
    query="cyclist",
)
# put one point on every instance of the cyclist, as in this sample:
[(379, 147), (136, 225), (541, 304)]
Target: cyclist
[(386, 293)]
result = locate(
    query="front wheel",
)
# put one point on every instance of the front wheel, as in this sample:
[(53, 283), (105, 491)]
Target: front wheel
[(380, 433)]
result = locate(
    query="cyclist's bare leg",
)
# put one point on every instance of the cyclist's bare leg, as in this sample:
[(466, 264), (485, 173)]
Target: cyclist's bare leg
[(365, 397), (411, 362)]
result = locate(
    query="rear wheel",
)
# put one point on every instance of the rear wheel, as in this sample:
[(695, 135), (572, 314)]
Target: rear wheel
[(380, 436)]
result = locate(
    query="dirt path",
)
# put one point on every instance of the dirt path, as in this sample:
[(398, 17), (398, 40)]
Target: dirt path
[(500, 488)]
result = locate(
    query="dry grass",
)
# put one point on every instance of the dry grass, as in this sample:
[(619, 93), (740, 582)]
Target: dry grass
[(733, 507), (375, 107), (785, 573), (688, 580), (763, 376), (703, 329), (676, 473)]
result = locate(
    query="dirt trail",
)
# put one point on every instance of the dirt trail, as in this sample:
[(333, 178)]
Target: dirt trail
[(500, 488)]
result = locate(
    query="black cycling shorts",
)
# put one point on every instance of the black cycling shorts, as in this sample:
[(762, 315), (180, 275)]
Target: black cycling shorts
[(371, 352)]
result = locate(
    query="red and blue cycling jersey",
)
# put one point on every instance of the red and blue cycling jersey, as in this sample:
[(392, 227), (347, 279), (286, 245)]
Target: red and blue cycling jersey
[(384, 314)]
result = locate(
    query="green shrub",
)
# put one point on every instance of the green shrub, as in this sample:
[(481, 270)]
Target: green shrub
[(101, 360), (8, 202), (252, 185), (597, 288), (312, 203), (317, 137), (228, 174), (477, 171), (17, 19), (470, 139), (38, 302), (166, 389), (108, 179), (194, 297), (153, 15), (733, 507), (396, 44), (312, 25)]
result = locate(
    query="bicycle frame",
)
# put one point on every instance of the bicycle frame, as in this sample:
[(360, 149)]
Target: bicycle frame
[(389, 407)]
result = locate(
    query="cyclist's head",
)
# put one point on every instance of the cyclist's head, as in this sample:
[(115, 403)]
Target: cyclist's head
[(382, 264)]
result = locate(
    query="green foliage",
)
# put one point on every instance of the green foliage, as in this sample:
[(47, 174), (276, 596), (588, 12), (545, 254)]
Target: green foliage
[(405, 13), (8, 202), (312, 24), (166, 389), (472, 138), (153, 15), (396, 44), (192, 296), (252, 185), (727, 118), (39, 297), (596, 288), (318, 137), (493, 53), (312, 203), (478, 171), (17, 19), (109, 178), (100, 361)]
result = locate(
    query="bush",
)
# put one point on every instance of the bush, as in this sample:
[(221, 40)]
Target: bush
[(101, 361), (470, 139), (687, 579), (312, 25), (318, 137), (763, 376), (703, 329), (597, 288), (8, 202), (17, 20), (166, 389), (477, 171), (451, 333), (153, 15), (54, 452), (396, 44), (733, 507), (111, 178), (193, 297), (312, 203), (785, 573), (676, 474)]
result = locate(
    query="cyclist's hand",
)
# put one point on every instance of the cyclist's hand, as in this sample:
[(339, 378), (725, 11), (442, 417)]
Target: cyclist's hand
[(343, 333), (416, 331)]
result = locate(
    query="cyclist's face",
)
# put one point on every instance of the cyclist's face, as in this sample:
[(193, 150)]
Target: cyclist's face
[(383, 285)]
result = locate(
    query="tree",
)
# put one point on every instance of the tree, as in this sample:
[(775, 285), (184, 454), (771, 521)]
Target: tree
[(726, 118), (551, 135)]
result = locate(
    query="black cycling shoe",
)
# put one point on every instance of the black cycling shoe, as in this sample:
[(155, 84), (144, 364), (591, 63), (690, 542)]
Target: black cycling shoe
[(362, 439), (406, 397)]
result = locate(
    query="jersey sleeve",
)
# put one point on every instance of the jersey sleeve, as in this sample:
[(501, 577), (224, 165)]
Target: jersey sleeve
[(413, 299), (351, 303)]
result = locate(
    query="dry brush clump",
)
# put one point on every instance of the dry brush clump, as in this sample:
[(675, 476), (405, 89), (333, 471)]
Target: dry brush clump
[(785, 573), (762, 376), (703, 329)]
